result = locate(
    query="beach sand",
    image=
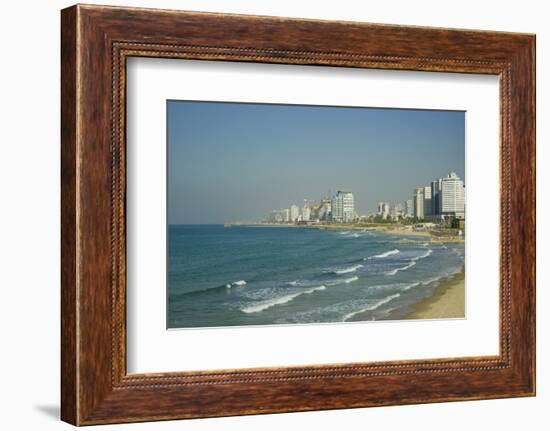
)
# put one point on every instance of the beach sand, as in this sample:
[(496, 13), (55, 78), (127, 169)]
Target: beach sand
[(408, 231), (447, 301)]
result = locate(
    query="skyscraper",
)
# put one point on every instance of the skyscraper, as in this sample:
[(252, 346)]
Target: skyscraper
[(409, 211), (306, 212), (436, 191), (325, 209), (418, 200), (452, 200), (294, 212), (343, 207), (286, 215), (383, 209), (427, 201)]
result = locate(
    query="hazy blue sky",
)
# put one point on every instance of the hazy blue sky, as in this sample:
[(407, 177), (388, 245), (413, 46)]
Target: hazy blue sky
[(237, 162)]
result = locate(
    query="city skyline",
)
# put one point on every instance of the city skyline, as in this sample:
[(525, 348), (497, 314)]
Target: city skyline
[(443, 199), (238, 162)]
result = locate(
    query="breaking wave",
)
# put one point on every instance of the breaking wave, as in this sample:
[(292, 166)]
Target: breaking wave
[(348, 269), (386, 254), (279, 301), (411, 263), (372, 306), (236, 283)]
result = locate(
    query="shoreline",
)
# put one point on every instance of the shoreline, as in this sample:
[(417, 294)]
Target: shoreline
[(396, 230), (446, 302)]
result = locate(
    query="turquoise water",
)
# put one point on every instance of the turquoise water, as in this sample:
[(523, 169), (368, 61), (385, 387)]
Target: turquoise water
[(244, 275)]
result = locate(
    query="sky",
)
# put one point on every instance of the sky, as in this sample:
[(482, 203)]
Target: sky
[(230, 162)]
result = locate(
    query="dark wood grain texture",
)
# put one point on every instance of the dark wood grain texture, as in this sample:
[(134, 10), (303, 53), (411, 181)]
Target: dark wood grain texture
[(95, 43)]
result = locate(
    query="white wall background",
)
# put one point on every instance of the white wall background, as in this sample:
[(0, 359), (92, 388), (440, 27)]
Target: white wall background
[(29, 215)]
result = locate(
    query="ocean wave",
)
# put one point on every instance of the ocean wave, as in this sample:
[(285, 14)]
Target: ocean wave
[(410, 286), (236, 283), (386, 254), (403, 268), (411, 263), (224, 288), (350, 280), (371, 306), (428, 253), (348, 269), (341, 281), (344, 233), (279, 301)]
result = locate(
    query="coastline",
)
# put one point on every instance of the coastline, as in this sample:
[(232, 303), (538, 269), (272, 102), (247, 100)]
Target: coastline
[(446, 302), (396, 230)]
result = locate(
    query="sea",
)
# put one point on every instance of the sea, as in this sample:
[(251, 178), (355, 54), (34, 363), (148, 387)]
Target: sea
[(258, 275)]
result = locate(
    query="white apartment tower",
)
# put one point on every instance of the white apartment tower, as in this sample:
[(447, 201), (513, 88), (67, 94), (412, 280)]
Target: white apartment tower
[(306, 213), (451, 196), (343, 207), (427, 201), (418, 202), (409, 211), (294, 213), (325, 209), (385, 210)]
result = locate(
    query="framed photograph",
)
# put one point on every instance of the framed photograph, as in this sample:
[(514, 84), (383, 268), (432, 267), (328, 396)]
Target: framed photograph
[(265, 215)]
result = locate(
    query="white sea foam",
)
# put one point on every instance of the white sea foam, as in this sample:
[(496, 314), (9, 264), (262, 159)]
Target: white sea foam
[(386, 254), (348, 270), (371, 306), (428, 253), (351, 279), (236, 283), (410, 286), (344, 233), (279, 301), (411, 263), (292, 283), (403, 268), (342, 281)]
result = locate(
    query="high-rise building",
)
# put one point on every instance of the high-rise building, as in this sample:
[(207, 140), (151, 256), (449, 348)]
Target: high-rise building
[(325, 209), (343, 207), (294, 213), (436, 194), (452, 199), (306, 213), (396, 211), (418, 201), (422, 202), (385, 210), (279, 216), (409, 211), (427, 201)]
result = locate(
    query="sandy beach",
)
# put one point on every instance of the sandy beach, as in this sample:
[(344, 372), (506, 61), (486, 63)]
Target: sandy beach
[(396, 230), (447, 301)]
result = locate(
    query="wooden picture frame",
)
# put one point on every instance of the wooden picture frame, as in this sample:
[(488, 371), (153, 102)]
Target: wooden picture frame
[(95, 43)]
